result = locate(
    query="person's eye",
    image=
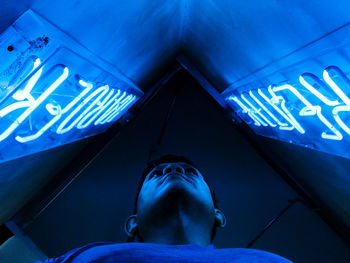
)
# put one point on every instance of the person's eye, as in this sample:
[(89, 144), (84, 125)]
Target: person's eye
[(191, 170)]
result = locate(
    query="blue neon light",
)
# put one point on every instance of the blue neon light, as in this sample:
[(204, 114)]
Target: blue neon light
[(55, 97), (305, 113), (303, 98)]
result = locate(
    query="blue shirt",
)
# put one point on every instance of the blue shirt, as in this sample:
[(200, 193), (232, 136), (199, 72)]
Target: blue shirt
[(151, 253)]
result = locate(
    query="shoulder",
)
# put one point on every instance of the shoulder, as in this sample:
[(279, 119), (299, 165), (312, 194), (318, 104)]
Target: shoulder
[(72, 254), (99, 251), (252, 255), (147, 252)]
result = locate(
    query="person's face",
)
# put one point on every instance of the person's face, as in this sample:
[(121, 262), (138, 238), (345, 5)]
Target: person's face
[(172, 191), (169, 183)]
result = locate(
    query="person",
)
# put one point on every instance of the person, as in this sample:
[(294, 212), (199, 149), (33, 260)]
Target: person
[(175, 220)]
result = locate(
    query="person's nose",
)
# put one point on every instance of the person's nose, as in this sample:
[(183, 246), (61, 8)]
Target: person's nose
[(173, 168)]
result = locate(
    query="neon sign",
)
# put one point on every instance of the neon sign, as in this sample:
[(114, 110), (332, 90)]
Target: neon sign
[(302, 98), (54, 97), (313, 112)]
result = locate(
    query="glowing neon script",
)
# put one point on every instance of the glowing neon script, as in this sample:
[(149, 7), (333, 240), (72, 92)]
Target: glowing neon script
[(93, 106), (286, 107)]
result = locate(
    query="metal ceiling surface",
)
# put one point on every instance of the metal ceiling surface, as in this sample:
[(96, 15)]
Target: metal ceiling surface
[(229, 40), (140, 38), (226, 40)]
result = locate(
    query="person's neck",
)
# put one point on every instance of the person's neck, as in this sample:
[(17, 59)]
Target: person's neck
[(179, 228)]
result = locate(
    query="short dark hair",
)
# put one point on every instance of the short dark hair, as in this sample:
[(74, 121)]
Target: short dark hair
[(170, 158)]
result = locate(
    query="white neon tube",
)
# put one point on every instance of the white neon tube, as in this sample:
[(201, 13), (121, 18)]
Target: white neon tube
[(103, 118), (58, 113), (257, 121), (266, 110), (35, 104), (335, 87), (83, 123), (337, 118), (289, 128), (62, 129), (25, 93), (315, 92), (258, 111), (124, 104)]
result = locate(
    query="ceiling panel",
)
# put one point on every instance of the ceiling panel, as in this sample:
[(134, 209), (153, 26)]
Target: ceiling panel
[(229, 40), (140, 38)]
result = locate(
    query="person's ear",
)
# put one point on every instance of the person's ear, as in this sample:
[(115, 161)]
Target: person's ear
[(131, 225), (220, 219)]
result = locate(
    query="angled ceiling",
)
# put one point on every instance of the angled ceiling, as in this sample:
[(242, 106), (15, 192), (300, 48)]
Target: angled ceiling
[(229, 40), (226, 40)]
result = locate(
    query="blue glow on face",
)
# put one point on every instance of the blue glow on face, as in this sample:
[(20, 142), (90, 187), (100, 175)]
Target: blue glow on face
[(55, 97)]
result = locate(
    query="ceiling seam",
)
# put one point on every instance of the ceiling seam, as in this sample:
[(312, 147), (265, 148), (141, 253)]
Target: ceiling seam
[(184, 13)]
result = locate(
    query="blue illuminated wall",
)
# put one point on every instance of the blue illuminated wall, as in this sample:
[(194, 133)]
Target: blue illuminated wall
[(306, 103), (52, 90)]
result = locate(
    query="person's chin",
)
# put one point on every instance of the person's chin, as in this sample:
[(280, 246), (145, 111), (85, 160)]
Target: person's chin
[(176, 183), (177, 189), (174, 178)]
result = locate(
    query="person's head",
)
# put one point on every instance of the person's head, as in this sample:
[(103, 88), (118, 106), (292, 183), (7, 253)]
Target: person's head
[(172, 187)]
